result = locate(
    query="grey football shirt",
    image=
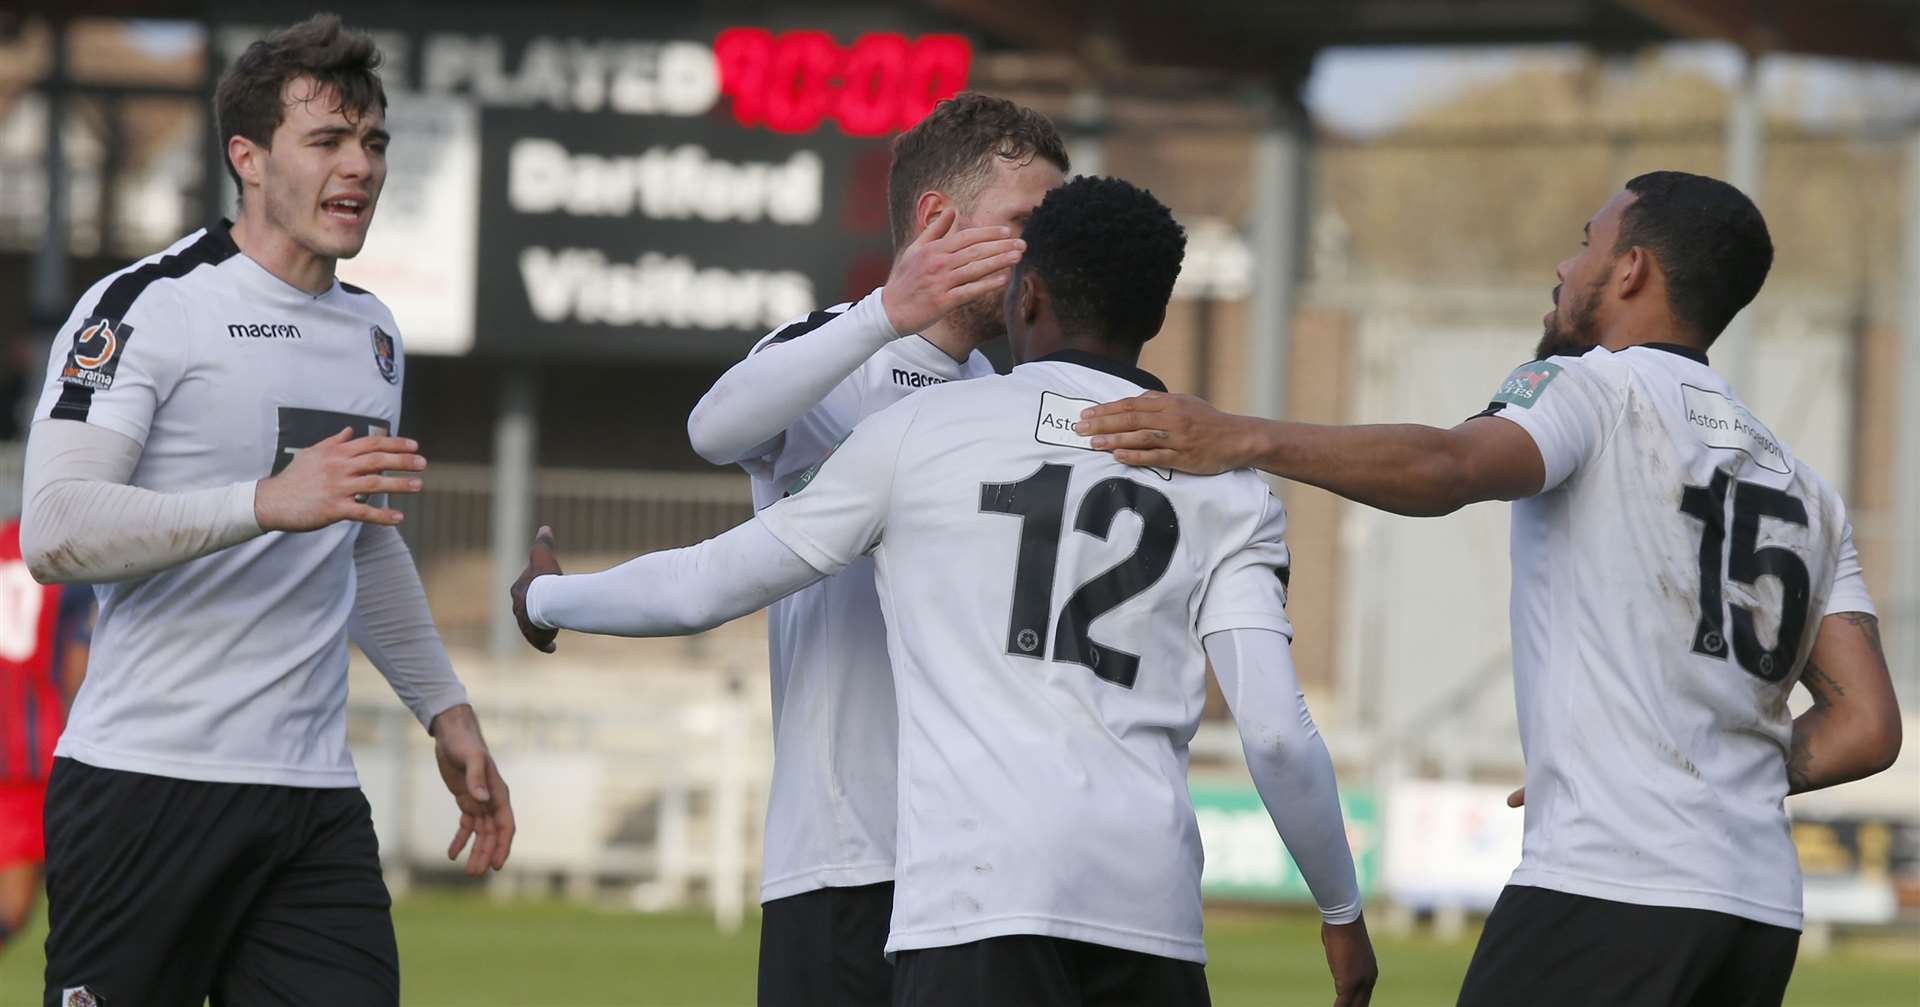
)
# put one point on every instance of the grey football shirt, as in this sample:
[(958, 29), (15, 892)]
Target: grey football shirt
[(231, 667)]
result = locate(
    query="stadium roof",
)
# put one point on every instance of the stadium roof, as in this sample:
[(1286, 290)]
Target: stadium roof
[(1281, 36)]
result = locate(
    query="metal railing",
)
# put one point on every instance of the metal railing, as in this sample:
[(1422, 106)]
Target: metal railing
[(594, 512)]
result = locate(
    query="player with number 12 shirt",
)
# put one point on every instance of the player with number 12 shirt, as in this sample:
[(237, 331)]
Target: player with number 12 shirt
[(1050, 617)]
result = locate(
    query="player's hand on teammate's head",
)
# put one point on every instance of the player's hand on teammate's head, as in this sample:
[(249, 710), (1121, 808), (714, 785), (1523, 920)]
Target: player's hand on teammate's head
[(1350, 959), (540, 562), (472, 777), (333, 480), (945, 267), (1172, 431)]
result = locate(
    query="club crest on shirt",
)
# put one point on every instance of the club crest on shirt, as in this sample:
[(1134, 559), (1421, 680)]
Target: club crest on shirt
[(1524, 386), (95, 356), (78, 996), (383, 357)]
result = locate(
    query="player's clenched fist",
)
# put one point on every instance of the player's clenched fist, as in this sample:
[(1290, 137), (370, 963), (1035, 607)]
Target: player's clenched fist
[(944, 268), (540, 562), (332, 480)]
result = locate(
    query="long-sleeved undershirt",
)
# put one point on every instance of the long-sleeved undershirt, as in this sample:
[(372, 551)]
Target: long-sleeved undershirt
[(82, 523), (688, 590), (746, 412)]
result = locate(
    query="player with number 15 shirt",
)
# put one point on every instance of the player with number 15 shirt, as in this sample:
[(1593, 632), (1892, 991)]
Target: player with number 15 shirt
[(1676, 571)]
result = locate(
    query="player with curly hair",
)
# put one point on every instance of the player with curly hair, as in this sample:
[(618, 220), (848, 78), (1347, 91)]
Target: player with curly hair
[(1050, 615)]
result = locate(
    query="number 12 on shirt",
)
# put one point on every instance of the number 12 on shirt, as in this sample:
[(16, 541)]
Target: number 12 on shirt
[(1746, 563), (1040, 502)]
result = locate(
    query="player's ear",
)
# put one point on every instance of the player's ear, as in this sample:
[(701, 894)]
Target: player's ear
[(1028, 297), (930, 205), (246, 157), (1634, 270)]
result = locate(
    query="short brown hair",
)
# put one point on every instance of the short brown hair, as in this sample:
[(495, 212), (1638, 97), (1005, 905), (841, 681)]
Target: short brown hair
[(248, 101), (953, 148)]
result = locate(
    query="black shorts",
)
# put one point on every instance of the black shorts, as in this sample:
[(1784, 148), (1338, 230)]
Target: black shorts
[(1037, 971), (163, 892), (825, 948), (1547, 947)]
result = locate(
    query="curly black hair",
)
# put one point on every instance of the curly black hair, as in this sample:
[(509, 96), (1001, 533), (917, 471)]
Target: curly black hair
[(1709, 239), (1108, 252)]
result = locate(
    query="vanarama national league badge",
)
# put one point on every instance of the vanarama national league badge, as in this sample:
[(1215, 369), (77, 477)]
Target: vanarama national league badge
[(1524, 385), (383, 355)]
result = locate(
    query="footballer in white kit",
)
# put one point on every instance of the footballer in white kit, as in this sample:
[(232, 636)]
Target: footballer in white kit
[(1050, 615), (828, 861), (1676, 571), (210, 450)]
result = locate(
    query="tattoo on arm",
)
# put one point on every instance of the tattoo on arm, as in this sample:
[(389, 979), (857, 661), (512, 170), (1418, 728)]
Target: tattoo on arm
[(1800, 755), (1821, 685), (1870, 625)]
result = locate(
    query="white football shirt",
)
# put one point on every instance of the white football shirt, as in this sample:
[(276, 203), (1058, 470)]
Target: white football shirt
[(831, 806), (1045, 607), (1668, 582), (232, 667)]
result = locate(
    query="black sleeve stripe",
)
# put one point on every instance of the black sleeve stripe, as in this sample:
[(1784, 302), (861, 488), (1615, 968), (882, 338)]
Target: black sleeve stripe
[(351, 289), (800, 328), (1492, 407), (74, 402), (212, 248), (1286, 576)]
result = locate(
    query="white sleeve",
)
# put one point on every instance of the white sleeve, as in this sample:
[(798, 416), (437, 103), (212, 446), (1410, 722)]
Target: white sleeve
[(393, 626), (676, 591), (81, 523), (1289, 763), (837, 512), (1567, 405), (1248, 590), (1849, 592), (116, 361), (744, 415)]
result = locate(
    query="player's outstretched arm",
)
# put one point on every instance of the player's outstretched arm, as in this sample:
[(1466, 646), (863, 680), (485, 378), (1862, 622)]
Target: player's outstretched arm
[(1294, 774), (669, 593), (1405, 468), (1853, 728), (745, 413)]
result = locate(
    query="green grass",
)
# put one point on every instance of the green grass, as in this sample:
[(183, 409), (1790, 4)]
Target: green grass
[(461, 950)]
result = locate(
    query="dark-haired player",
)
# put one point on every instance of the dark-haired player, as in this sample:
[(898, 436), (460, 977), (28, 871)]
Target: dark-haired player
[(1050, 615), (962, 182), (211, 448), (1676, 570)]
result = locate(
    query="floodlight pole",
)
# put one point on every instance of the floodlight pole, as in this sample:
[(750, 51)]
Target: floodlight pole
[(515, 435), (1280, 185), (1087, 131), (1903, 614), (49, 304), (1734, 351)]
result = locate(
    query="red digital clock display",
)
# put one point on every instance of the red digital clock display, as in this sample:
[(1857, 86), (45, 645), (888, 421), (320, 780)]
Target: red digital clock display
[(797, 81)]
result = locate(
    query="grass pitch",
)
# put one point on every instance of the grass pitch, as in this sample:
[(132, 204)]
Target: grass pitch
[(466, 950)]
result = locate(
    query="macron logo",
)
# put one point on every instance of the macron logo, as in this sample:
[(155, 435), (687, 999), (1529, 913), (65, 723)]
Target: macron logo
[(914, 379), (266, 331)]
